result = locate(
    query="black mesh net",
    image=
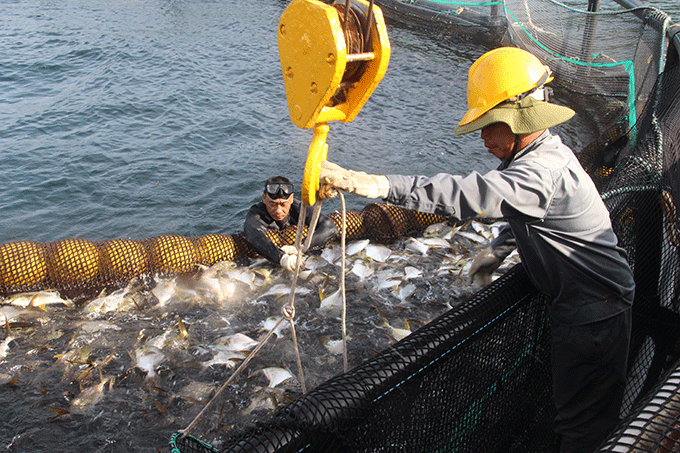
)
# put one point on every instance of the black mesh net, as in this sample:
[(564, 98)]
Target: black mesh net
[(472, 363)]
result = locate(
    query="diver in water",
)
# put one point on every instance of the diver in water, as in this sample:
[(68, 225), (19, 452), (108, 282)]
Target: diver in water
[(556, 220), (276, 211)]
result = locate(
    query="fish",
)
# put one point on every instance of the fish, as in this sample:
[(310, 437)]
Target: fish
[(164, 291), (331, 254), (38, 299), (284, 289), (5, 345), (362, 269), (246, 275), (355, 247), (171, 337), (331, 304), (17, 315), (238, 342), (436, 242), (397, 333), (275, 375), (403, 292), (84, 403), (335, 347), (263, 398), (147, 358), (224, 355), (269, 323), (95, 326), (415, 245), (411, 272), (389, 280), (378, 252), (442, 230), (314, 263), (117, 301), (221, 289), (197, 391), (474, 237), (481, 229)]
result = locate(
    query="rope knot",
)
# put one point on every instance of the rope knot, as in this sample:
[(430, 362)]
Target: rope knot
[(288, 311)]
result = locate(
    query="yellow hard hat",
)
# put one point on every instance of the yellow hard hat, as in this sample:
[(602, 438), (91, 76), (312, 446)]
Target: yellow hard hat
[(505, 74)]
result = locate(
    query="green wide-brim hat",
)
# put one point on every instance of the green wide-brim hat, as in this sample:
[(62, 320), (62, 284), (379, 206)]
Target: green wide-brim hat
[(524, 117)]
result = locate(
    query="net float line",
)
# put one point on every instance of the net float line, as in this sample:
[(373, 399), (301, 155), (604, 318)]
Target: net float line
[(80, 268)]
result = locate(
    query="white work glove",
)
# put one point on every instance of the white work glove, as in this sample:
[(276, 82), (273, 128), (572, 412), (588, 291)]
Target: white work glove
[(483, 266), (289, 259), (356, 182)]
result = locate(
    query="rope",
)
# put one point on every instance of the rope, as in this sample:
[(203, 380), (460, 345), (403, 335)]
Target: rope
[(343, 234), (327, 191), (289, 309)]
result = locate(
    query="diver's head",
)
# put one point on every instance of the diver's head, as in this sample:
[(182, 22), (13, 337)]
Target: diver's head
[(278, 197)]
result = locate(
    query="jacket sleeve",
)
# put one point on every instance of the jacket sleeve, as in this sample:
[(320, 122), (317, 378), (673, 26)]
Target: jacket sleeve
[(325, 232), (254, 230), (523, 190)]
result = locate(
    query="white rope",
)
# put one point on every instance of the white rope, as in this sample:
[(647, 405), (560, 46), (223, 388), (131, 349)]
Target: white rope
[(343, 234)]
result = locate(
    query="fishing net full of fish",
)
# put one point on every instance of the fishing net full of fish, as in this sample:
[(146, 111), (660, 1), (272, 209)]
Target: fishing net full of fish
[(477, 378)]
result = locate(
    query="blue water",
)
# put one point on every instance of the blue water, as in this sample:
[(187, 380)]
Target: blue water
[(139, 118)]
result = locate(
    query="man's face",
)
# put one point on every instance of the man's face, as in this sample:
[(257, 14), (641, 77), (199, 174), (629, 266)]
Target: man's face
[(278, 208), (499, 140)]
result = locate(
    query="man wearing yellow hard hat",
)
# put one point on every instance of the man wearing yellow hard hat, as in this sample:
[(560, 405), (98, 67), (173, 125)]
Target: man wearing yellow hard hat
[(556, 220)]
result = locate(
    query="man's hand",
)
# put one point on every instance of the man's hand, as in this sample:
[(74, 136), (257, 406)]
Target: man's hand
[(483, 266), (356, 182), (289, 259)]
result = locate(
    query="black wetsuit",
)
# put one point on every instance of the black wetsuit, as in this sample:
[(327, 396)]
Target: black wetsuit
[(258, 220)]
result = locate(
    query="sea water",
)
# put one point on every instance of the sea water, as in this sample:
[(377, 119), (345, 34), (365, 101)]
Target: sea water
[(133, 119)]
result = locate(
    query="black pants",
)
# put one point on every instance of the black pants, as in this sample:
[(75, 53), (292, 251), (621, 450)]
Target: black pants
[(589, 377)]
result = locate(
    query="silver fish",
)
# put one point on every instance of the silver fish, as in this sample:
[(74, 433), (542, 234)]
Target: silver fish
[(411, 272), (335, 347), (269, 323), (84, 403), (275, 375), (147, 358), (362, 269), (438, 230), (283, 289), (355, 247), (331, 304), (397, 333), (474, 237), (238, 342), (224, 355), (415, 245), (436, 242), (378, 252), (38, 299), (403, 292), (331, 253)]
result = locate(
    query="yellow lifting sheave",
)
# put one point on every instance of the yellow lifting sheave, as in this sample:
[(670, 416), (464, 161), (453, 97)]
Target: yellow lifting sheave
[(325, 78)]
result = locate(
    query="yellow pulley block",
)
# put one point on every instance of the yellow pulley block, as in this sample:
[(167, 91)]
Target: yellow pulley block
[(332, 59)]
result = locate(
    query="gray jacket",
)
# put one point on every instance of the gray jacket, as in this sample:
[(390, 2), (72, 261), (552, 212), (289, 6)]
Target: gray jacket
[(556, 219)]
